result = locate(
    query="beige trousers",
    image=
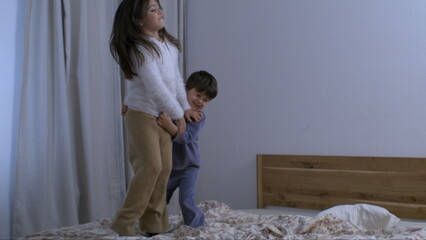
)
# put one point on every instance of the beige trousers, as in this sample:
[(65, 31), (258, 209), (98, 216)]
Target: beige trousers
[(150, 153)]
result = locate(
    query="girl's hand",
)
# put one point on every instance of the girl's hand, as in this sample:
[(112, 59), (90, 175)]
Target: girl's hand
[(181, 125), (193, 115), (124, 109)]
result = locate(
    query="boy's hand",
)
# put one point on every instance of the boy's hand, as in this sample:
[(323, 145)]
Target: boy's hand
[(193, 115), (124, 109), (166, 122)]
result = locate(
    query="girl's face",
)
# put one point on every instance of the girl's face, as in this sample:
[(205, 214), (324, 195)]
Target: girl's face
[(153, 20), (196, 99)]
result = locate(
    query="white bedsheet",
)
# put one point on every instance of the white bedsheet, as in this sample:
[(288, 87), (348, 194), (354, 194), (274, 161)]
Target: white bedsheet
[(225, 223), (274, 210)]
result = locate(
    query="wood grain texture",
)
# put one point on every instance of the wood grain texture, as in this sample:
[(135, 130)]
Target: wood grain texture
[(321, 182)]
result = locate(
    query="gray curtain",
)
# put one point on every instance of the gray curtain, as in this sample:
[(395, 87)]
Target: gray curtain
[(70, 156)]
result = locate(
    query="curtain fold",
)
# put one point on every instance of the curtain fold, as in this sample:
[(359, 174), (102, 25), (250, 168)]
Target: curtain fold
[(70, 166)]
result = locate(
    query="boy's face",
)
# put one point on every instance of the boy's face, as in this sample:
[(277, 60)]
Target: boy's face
[(196, 100)]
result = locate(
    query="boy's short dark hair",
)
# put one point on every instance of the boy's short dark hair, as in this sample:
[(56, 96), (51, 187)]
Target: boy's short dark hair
[(203, 82)]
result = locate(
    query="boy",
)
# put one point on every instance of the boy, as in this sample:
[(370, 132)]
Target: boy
[(201, 87)]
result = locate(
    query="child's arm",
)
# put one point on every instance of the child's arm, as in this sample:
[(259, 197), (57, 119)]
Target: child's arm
[(181, 125), (193, 115), (167, 124), (191, 133), (158, 89)]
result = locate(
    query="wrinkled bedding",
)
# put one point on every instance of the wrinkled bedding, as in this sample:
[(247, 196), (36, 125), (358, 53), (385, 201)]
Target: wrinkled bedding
[(225, 223)]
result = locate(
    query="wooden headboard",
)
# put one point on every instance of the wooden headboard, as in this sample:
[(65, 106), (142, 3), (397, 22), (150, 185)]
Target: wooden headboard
[(321, 182)]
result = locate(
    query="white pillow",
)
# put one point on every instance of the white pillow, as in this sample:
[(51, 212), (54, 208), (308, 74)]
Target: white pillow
[(366, 216)]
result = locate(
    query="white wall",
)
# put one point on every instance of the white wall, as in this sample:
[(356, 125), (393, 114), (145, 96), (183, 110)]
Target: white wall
[(10, 61), (322, 77)]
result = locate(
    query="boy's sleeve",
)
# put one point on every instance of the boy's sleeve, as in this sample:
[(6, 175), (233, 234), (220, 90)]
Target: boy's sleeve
[(191, 132)]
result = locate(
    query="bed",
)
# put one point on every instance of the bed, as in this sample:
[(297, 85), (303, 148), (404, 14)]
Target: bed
[(297, 199), (320, 182)]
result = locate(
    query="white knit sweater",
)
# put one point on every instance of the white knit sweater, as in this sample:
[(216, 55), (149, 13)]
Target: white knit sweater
[(159, 86)]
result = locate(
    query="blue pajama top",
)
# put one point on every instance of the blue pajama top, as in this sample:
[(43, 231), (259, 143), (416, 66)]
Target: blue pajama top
[(185, 148)]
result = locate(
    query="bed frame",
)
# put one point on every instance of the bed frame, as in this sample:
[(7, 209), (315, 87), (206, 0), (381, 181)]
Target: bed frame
[(320, 182)]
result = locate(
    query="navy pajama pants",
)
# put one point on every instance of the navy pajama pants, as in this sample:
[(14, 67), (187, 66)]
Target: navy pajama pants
[(186, 181)]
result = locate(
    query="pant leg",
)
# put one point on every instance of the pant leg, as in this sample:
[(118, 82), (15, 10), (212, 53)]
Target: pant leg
[(173, 184), (156, 218), (145, 156), (192, 215)]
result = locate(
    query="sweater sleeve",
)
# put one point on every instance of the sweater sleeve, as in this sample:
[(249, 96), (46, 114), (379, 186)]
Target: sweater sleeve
[(191, 132), (181, 92), (157, 89)]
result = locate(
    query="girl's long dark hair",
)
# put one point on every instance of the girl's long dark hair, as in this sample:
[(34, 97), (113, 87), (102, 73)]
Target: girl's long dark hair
[(127, 34)]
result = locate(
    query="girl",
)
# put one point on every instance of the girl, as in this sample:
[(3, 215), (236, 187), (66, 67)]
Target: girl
[(148, 56)]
